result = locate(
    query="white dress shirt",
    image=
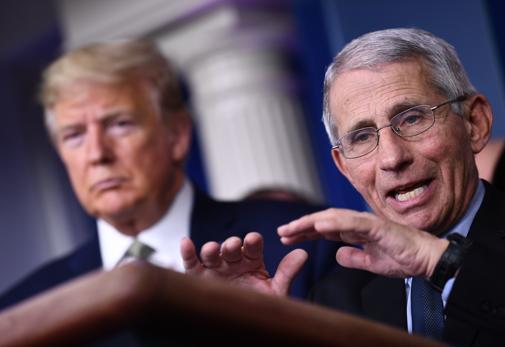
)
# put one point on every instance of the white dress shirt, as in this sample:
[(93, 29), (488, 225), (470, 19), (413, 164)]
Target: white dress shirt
[(164, 236)]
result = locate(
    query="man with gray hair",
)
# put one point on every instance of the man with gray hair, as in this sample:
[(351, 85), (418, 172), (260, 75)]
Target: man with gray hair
[(116, 116), (405, 124)]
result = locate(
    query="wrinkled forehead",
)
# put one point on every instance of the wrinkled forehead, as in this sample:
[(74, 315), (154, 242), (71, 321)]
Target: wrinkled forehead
[(365, 97), (76, 88), (90, 101)]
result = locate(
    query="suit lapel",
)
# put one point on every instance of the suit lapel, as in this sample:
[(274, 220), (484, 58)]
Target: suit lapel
[(384, 300)]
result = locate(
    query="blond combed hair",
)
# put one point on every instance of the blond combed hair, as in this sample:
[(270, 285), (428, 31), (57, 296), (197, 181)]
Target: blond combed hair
[(113, 62)]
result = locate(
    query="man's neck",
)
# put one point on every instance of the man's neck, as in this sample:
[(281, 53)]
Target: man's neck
[(464, 223), (164, 235), (460, 211)]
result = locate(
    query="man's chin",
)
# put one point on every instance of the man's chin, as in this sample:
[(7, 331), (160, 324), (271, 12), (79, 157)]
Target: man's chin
[(113, 213), (420, 220)]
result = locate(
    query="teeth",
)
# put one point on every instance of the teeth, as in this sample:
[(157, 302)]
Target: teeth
[(409, 195)]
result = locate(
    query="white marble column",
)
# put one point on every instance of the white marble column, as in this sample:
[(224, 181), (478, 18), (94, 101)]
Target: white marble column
[(251, 121)]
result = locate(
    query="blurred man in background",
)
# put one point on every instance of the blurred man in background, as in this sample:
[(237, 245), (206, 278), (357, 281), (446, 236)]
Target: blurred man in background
[(116, 116)]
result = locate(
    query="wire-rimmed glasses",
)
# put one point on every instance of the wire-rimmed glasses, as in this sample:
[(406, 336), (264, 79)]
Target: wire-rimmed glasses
[(408, 123)]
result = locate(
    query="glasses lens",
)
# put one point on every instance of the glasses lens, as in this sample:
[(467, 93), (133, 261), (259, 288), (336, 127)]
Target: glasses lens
[(359, 142), (413, 121)]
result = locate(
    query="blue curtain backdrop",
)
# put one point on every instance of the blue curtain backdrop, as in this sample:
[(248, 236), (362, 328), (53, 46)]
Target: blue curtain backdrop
[(495, 9), (315, 55)]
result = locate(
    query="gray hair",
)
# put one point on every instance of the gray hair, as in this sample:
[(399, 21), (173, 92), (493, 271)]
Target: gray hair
[(112, 62), (445, 72)]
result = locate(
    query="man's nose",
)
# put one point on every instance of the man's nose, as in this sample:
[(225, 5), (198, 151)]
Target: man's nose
[(98, 147), (393, 151)]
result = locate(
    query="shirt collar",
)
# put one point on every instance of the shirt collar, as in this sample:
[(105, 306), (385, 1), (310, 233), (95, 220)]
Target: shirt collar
[(164, 236), (463, 225)]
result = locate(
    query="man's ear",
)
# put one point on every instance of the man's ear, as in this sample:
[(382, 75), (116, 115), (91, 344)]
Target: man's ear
[(180, 135), (340, 162), (479, 119)]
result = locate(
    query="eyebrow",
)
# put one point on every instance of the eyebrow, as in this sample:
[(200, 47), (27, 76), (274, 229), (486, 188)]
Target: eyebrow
[(107, 118), (393, 111), (399, 108)]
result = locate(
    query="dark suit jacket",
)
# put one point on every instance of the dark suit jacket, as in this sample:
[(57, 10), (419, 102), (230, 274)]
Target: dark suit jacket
[(210, 220), (499, 172), (475, 311)]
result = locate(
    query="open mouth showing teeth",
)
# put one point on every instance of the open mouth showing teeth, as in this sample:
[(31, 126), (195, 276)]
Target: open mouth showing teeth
[(410, 192)]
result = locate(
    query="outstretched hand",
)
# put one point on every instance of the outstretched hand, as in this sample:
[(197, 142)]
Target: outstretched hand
[(383, 247), (241, 263)]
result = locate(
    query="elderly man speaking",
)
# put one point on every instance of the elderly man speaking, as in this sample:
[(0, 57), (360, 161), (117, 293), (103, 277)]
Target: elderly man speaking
[(405, 124)]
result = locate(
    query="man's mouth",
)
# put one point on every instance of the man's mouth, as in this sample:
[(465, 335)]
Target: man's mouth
[(409, 192), (107, 184)]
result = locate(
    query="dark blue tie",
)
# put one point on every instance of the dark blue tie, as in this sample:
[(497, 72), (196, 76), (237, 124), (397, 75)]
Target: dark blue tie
[(427, 309)]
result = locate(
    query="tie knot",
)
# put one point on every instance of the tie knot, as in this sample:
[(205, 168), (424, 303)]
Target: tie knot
[(137, 250)]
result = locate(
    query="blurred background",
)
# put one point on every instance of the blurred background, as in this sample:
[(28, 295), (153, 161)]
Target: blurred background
[(254, 72)]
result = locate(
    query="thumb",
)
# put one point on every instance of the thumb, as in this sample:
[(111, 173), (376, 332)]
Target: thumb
[(287, 270)]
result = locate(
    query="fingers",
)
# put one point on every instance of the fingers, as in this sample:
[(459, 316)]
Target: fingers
[(328, 224), (231, 250), (289, 266), (188, 254), (352, 257), (300, 236), (298, 230), (310, 227), (210, 254), (253, 246)]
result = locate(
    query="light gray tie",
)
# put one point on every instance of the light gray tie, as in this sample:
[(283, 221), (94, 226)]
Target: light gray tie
[(137, 250)]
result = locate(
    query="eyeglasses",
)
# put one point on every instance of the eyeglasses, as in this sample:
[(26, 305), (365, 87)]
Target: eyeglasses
[(408, 123)]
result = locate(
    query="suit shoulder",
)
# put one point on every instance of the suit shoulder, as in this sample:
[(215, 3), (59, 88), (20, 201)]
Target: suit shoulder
[(272, 207), (204, 204)]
